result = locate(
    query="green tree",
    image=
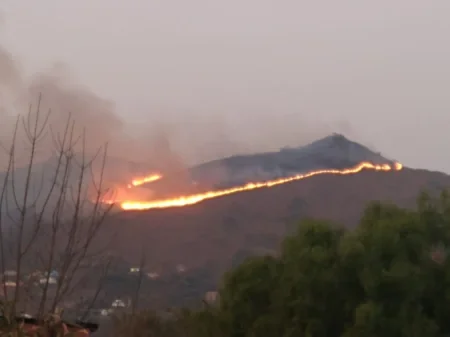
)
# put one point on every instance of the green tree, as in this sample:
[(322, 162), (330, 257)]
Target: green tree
[(308, 296), (246, 295), (390, 276), (387, 259)]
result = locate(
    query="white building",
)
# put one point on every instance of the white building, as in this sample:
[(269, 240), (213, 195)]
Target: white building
[(181, 268), (153, 275), (51, 280), (10, 284), (134, 270), (10, 273), (211, 297), (118, 304)]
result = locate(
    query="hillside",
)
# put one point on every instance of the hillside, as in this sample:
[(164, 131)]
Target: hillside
[(332, 152), (204, 240), (211, 236)]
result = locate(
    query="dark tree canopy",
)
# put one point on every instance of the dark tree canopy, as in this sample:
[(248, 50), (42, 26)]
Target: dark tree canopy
[(388, 277)]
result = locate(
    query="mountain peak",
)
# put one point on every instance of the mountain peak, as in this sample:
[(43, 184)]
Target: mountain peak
[(337, 146), (331, 152)]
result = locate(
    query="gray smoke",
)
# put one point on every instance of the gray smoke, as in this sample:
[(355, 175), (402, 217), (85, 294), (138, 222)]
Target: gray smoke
[(162, 143)]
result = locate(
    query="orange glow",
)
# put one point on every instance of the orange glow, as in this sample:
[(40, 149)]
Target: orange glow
[(144, 180), (196, 198)]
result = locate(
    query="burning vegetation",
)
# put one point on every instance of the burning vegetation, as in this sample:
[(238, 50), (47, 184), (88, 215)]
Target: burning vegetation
[(185, 200)]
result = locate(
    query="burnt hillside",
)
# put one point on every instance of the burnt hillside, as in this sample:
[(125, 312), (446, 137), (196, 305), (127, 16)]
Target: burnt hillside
[(215, 231)]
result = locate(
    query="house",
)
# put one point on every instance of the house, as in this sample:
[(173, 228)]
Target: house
[(10, 273), (51, 280), (134, 270), (211, 297), (180, 268), (117, 303), (9, 284), (153, 275)]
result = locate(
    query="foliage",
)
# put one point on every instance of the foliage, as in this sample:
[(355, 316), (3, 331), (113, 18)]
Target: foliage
[(390, 276), (202, 322), (9, 327), (248, 295), (50, 325)]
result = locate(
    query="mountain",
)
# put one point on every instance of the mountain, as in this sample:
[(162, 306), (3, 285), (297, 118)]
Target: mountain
[(332, 152), (193, 234), (210, 237), (191, 247)]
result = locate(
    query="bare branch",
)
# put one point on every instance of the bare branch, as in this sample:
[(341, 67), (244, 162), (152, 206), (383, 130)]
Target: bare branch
[(142, 262), (57, 214), (2, 199)]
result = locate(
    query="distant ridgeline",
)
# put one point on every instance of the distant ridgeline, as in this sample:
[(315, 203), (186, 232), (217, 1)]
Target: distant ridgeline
[(332, 152)]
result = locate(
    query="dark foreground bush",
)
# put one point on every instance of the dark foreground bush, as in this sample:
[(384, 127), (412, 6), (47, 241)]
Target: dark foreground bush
[(388, 277), (176, 323), (50, 325)]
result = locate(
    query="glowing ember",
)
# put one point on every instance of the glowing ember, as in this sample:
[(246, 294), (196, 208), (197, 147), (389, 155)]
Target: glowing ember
[(196, 198)]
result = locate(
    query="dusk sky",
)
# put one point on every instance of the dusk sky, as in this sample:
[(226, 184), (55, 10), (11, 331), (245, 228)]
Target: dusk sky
[(223, 77)]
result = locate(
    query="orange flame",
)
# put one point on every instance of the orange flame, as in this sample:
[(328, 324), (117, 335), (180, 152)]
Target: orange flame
[(196, 198), (147, 179)]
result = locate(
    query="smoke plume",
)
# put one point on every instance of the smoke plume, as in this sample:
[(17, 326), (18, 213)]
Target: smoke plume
[(96, 117), (158, 144)]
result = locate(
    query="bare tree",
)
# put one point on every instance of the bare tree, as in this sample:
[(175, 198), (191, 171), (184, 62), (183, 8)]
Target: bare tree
[(137, 290), (51, 216)]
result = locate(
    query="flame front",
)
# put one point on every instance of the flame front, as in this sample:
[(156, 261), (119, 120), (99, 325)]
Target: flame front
[(144, 180), (196, 198)]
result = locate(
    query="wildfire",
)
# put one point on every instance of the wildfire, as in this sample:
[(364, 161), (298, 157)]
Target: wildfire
[(196, 198), (144, 180)]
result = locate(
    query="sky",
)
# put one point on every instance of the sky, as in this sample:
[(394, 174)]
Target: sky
[(206, 78)]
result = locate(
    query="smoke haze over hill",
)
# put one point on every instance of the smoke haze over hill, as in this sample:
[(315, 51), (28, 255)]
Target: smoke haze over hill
[(167, 138), (62, 95), (164, 144), (252, 76)]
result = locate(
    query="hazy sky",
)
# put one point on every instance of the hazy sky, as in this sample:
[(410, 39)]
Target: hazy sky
[(245, 75)]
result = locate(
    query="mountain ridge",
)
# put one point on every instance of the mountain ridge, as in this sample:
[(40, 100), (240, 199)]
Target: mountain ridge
[(332, 152)]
